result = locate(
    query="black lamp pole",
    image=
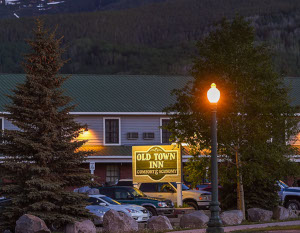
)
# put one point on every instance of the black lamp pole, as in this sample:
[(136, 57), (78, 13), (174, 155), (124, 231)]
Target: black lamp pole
[(215, 223)]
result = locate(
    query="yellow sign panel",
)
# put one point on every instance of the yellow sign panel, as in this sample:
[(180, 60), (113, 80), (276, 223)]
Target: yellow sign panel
[(156, 164)]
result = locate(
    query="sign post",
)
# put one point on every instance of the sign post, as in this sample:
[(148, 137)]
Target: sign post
[(155, 164), (92, 168), (179, 194)]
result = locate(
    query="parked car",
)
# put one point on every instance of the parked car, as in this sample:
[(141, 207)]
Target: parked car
[(124, 182), (138, 213), (289, 196), (207, 187), (4, 202), (130, 195), (194, 198), (99, 211)]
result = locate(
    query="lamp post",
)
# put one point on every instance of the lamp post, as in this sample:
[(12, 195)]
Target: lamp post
[(215, 223)]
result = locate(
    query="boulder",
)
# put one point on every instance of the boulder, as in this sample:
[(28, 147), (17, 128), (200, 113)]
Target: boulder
[(232, 217), (159, 223), (86, 226), (281, 213), (259, 215), (30, 224), (93, 191), (7, 231), (194, 220), (114, 222), (97, 221)]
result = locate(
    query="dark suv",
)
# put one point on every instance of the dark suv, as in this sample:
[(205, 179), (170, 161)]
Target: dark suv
[(130, 195), (4, 202)]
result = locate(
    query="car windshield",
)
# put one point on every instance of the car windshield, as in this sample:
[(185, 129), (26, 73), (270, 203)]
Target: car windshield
[(283, 184), (110, 201), (136, 192), (184, 187)]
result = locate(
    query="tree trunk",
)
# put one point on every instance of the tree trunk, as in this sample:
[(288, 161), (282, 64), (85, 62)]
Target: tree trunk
[(240, 187)]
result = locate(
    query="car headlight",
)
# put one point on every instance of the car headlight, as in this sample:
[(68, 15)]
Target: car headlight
[(101, 211), (132, 211), (162, 204), (205, 198)]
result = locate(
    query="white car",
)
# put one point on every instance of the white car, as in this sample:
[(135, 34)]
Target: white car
[(194, 198), (99, 211), (138, 213)]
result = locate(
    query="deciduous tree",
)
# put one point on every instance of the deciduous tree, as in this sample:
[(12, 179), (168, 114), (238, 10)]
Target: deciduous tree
[(255, 116)]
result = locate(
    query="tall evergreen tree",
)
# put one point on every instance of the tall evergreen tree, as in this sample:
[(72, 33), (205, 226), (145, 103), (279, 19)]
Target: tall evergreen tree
[(255, 116), (42, 158)]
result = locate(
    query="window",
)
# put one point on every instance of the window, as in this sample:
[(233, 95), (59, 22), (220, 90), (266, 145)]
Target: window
[(112, 174), (165, 134), (107, 192), (1, 123), (132, 135), (122, 194), (1, 126), (95, 201), (112, 131), (166, 188), (148, 187), (148, 136)]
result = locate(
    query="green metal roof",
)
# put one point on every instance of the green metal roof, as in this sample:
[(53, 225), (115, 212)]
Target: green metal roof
[(293, 83), (110, 93), (121, 93)]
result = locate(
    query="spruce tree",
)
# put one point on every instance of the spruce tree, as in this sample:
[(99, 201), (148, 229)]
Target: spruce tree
[(255, 115), (42, 159)]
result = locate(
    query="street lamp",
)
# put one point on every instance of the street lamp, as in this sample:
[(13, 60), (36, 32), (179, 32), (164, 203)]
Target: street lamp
[(214, 224)]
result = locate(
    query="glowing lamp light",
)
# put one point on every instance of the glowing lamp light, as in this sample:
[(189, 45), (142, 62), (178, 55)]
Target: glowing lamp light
[(213, 94), (85, 131)]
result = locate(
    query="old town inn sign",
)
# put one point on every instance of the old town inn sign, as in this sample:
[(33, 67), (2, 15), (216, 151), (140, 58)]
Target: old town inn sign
[(156, 163)]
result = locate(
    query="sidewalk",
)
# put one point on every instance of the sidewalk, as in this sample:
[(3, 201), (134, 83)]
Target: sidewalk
[(246, 227)]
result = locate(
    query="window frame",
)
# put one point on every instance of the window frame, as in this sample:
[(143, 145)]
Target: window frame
[(2, 125), (104, 135), (161, 131), (116, 168)]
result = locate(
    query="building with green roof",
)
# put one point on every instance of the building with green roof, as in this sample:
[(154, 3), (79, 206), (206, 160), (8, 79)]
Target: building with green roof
[(121, 111)]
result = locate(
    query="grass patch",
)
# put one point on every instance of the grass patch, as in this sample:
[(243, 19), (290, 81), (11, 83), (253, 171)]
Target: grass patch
[(246, 222), (274, 228), (184, 205)]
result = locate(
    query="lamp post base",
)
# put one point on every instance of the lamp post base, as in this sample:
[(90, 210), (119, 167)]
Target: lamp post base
[(214, 224)]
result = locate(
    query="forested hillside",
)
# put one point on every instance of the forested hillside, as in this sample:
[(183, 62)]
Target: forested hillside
[(28, 8), (156, 38)]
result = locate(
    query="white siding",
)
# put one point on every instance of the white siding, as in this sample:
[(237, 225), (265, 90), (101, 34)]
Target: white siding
[(94, 135)]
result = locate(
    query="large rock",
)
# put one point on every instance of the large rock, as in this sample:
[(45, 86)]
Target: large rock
[(86, 226), (194, 220), (281, 213), (7, 231), (259, 215), (31, 224), (159, 223), (232, 217), (97, 221), (114, 222), (92, 191)]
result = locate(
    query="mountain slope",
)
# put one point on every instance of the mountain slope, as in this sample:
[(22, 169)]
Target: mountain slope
[(156, 38), (29, 8)]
